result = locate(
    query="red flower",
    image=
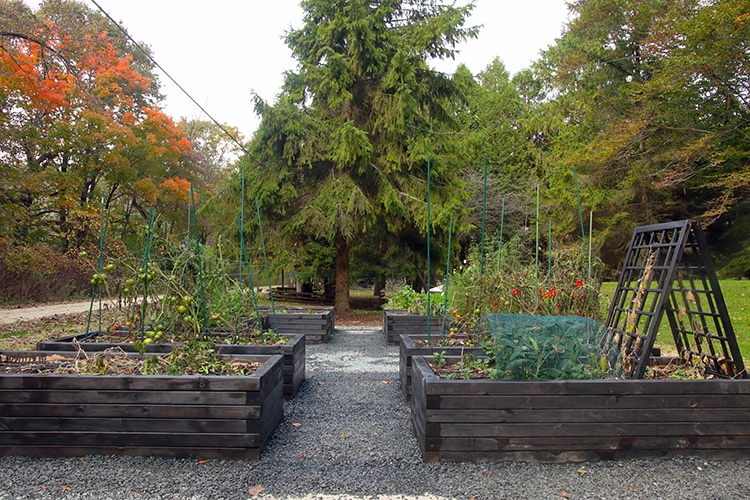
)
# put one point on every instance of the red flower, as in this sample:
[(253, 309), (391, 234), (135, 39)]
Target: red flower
[(516, 291)]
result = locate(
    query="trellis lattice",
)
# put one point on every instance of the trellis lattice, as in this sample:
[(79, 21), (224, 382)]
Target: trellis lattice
[(668, 269)]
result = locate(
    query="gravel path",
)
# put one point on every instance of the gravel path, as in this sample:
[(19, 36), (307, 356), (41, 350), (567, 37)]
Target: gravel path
[(9, 315), (347, 436)]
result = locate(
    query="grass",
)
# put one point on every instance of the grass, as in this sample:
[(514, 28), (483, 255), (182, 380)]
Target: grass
[(735, 292)]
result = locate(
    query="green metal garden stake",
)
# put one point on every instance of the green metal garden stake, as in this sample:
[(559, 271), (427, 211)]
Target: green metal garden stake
[(536, 254), (204, 312), (447, 273), (103, 223), (244, 259), (484, 219), (580, 209), (500, 245), (591, 233), (268, 272), (549, 250), (429, 295), (144, 302)]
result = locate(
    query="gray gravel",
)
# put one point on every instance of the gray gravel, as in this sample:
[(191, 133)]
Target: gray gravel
[(347, 435)]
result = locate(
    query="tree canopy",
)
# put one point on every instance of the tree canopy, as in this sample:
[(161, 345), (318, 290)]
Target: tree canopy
[(342, 157), (642, 104)]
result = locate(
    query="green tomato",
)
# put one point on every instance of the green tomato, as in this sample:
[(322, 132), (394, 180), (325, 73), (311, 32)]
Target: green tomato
[(83, 254), (181, 309), (109, 267), (126, 290), (148, 340)]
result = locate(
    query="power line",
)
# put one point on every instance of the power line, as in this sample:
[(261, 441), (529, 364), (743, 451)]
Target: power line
[(125, 32)]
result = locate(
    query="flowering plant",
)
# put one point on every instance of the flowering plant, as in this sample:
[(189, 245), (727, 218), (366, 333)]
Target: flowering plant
[(560, 284)]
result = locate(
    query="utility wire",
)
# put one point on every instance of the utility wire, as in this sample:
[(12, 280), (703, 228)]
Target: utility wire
[(124, 31)]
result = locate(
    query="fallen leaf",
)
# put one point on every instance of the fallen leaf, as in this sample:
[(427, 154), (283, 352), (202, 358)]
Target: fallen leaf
[(296, 424), (301, 455), (255, 490), (137, 490), (563, 494), (344, 435), (202, 462), (582, 471), (67, 490), (384, 382), (371, 413)]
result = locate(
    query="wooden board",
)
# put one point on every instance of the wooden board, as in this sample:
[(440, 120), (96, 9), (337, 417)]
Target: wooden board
[(315, 323), (293, 352), (408, 347), (400, 322), (577, 420), (228, 417)]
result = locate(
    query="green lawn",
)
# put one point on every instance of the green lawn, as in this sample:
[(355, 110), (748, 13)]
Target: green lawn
[(736, 293)]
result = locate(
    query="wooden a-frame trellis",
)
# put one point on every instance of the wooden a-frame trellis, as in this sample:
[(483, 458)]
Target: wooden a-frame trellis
[(668, 270)]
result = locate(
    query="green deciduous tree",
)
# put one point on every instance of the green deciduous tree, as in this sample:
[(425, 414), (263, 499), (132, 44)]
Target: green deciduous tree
[(652, 105)]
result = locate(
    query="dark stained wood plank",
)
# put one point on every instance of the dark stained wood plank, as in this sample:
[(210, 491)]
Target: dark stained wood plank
[(129, 411), (113, 423), (48, 415), (201, 453), (570, 421)]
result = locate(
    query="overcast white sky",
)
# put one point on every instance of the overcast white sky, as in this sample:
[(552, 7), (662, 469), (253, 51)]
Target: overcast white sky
[(222, 50)]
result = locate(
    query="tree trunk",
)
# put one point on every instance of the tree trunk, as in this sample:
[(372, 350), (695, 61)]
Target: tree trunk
[(341, 302), (378, 290)]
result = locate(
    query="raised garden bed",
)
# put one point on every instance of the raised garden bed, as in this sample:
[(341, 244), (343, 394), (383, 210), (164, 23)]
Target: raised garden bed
[(416, 345), (315, 323), (577, 420), (293, 352), (397, 322), (198, 416)]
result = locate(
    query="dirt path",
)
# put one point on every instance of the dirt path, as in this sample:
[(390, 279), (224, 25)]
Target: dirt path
[(11, 315)]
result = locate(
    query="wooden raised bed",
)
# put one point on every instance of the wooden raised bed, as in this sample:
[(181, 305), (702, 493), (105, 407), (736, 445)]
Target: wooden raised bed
[(216, 417), (315, 323), (409, 346), (397, 322), (293, 352), (95, 342), (576, 421)]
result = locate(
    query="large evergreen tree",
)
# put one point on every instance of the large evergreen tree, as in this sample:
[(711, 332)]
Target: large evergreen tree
[(345, 149)]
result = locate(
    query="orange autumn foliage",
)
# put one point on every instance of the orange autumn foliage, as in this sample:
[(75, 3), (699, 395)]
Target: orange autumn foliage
[(176, 189)]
